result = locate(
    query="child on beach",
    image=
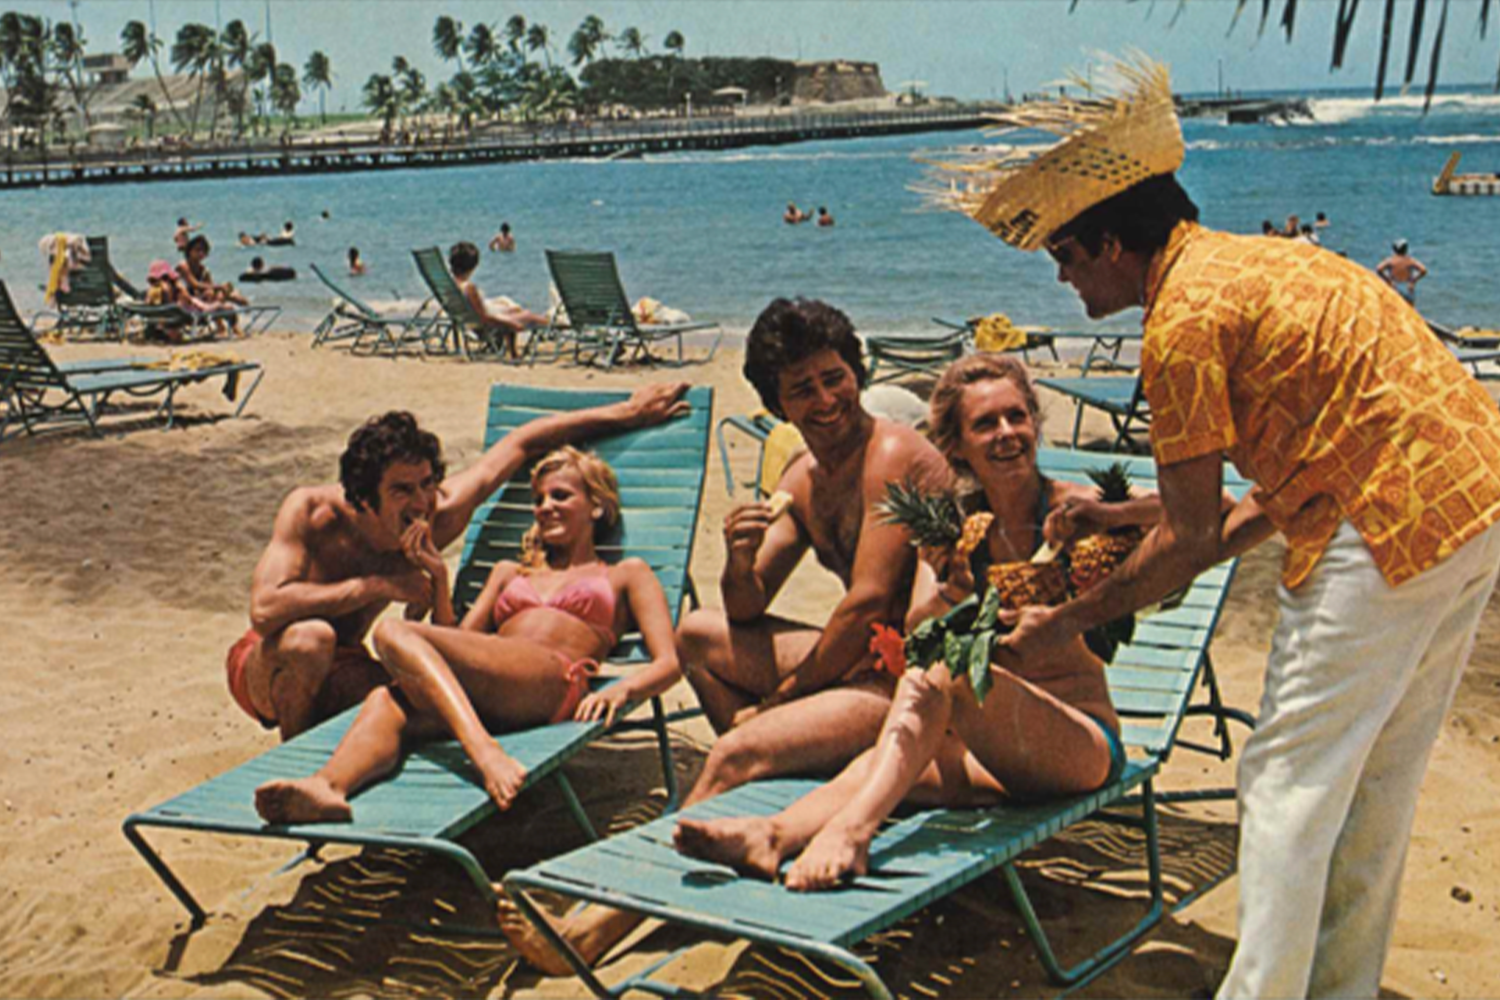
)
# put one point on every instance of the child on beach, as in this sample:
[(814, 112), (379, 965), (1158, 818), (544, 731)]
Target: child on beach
[(505, 322), (356, 263), (522, 657)]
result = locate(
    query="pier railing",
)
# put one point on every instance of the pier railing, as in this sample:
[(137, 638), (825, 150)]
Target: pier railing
[(591, 139)]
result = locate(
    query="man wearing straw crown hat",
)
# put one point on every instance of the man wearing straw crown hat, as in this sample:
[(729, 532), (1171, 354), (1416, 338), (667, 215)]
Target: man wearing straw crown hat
[(1373, 454)]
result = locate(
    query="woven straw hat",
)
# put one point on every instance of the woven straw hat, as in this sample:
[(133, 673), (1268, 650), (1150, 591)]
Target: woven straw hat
[(1109, 142)]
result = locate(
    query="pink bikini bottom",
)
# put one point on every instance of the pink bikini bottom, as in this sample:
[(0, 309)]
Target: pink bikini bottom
[(577, 674)]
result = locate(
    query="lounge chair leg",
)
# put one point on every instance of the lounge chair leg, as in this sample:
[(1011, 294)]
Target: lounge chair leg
[(664, 751), (1121, 946), (543, 926), (574, 806), (245, 399), (164, 873)]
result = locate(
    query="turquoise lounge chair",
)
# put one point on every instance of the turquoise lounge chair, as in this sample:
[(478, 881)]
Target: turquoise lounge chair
[(1120, 397), (432, 799), (91, 304), (922, 355), (460, 323), (919, 858), (36, 391), (601, 326), (351, 319)]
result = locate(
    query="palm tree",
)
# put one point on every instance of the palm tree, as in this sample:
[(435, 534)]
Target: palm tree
[(235, 44), (381, 98), (632, 42), (538, 37), (195, 50), (411, 84), (483, 45), (144, 108), (448, 40), (673, 43), (317, 75), (515, 32), (285, 94), (137, 43), (67, 47), (588, 40), (260, 67)]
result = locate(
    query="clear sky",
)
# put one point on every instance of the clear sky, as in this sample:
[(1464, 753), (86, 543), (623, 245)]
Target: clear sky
[(963, 48)]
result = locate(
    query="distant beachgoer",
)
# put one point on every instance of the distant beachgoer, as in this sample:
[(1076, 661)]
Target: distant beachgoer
[(164, 288), (356, 263), (1320, 221), (518, 659), (339, 554), (1309, 235), (824, 219), (260, 272), (463, 258), (503, 241), (184, 233), (1402, 271), (1293, 227), (246, 240), (1268, 228), (327, 215), (793, 214)]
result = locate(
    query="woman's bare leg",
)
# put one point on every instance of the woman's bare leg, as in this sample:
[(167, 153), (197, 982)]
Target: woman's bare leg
[(448, 672), (909, 742), (369, 750)]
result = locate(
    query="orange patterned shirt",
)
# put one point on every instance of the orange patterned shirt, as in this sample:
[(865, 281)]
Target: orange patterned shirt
[(1326, 389)]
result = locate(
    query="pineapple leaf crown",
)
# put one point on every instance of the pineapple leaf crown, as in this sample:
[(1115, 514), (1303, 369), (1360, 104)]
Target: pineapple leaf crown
[(1113, 482), (932, 517)]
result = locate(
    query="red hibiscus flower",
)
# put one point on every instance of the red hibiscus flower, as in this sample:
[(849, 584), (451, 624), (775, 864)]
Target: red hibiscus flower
[(889, 648)]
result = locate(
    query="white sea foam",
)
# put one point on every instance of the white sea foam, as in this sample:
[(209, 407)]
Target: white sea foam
[(1466, 139), (1338, 110)]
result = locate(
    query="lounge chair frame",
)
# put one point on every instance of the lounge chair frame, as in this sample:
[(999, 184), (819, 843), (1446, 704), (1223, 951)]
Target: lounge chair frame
[(432, 799), (36, 391), (1120, 397), (370, 331), (601, 327), (923, 355), (91, 305), (460, 329), (917, 859)]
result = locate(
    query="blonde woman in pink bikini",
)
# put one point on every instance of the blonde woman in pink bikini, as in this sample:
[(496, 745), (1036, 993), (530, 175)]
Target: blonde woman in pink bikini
[(522, 656)]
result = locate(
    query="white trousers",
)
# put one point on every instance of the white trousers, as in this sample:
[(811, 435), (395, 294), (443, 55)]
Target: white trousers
[(1360, 677)]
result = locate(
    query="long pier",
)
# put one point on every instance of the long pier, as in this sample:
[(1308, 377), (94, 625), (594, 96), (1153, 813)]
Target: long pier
[(599, 140)]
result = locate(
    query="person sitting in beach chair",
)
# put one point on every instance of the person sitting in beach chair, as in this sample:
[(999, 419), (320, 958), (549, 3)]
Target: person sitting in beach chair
[(463, 259), (193, 275), (788, 697), (1052, 731), (165, 287), (339, 554), (522, 657)]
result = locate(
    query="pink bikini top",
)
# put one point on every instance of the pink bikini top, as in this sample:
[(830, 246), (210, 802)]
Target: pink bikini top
[(590, 599)]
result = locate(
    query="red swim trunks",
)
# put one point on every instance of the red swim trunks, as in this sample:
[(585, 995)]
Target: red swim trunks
[(239, 656)]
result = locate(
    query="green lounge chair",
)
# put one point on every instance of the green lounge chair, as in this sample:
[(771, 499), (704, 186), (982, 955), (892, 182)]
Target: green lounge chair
[(600, 323), (90, 305), (37, 391), (142, 319), (914, 355), (917, 859), (1034, 341), (432, 799), (1121, 397), (1104, 346), (351, 319), (460, 323)]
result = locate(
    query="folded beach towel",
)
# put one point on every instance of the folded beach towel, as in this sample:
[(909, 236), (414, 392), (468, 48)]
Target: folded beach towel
[(191, 361), (650, 311), (997, 333), (64, 252)]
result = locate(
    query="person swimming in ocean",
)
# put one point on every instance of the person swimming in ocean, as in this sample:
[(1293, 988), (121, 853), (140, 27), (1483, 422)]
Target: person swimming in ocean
[(522, 656)]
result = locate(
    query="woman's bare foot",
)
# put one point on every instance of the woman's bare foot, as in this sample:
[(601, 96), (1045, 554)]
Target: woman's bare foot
[(503, 776), (305, 800), (747, 845), (835, 854), (527, 940)]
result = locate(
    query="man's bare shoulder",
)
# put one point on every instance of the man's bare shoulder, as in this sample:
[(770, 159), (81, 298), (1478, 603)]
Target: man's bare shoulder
[(896, 450), (315, 510)]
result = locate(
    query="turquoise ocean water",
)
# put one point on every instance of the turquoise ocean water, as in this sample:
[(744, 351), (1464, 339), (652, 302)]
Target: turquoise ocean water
[(702, 231)]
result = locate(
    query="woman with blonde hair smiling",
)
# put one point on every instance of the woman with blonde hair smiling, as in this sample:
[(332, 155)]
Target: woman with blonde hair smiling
[(522, 656)]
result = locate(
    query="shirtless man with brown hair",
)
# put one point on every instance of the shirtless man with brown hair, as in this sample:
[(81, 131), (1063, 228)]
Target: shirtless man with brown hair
[(340, 553), (786, 697)]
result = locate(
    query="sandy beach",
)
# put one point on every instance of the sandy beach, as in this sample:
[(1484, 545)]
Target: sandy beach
[(128, 561)]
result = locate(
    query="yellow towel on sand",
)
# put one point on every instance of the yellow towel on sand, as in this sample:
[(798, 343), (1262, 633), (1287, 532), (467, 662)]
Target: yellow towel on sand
[(1475, 333), (997, 333), (191, 361)]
